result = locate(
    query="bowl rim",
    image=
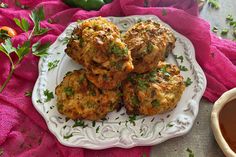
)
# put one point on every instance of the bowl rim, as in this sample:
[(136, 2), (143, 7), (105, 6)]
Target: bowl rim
[(218, 105)]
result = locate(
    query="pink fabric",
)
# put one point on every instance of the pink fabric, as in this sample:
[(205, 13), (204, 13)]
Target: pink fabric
[(23, 132)]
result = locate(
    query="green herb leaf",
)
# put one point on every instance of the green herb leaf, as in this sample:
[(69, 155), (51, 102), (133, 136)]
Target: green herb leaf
[(36, 16), (232, 23), (181, 58), (164, 70), (23, 24), (114, 48), (23, 50), (79, 123), (40, 50), (188, 82), (41, 31), (52, 65), (155, 103), (229, 18), (94, 123), (28, 93), (132, 119), (135, 101), (68, 136), (97, 129), (69, 91), (142, 84), (214, 4), (150, 47), (49, 95), (7, 47), (224, 31), (215, 29), (191, 154), (170, 125), (183, 68)]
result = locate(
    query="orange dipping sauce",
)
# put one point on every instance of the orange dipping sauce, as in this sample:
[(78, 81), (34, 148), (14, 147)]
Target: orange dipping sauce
[(227, 120)]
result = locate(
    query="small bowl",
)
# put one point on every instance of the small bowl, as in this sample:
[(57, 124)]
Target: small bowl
[(219, 104)]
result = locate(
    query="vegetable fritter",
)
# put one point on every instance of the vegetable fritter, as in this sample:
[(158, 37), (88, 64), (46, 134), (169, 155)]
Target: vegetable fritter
[(78, 98), (96, 44), (149, 42), (154, 92)]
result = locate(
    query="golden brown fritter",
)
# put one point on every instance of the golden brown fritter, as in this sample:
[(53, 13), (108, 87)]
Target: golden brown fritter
[(149, 43), (154, 92), (78, 98), (96, 45)]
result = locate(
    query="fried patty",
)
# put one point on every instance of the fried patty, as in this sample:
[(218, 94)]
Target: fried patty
[(154, 92), (78, 98), (149, 42), (96, 44)]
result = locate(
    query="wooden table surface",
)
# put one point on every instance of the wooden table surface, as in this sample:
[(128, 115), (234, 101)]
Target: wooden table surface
[(200, 139)]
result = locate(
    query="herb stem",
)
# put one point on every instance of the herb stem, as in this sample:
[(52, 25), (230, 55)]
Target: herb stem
[(9, 75), (31, 33)]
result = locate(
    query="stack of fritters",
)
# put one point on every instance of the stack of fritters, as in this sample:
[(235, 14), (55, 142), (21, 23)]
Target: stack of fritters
[(152, 86)]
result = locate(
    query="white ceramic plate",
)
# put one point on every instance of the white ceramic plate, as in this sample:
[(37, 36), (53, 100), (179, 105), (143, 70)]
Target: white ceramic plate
[(119, 130)]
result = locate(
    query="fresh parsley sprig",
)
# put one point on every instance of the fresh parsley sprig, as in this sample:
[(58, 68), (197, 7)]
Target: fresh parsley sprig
[(37, 49)]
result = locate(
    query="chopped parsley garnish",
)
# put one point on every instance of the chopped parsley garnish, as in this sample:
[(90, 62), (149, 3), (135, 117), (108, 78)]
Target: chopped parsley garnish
[(224, 31), (69, 72), (232, 23), (164, 12), (81, 79), (139, 20), (144, 155), (53, 64), (181, 58), (155, 103), (170, 125), (142, 84), (191, 154), (97, 129), (119, 94), (214, 4), (132, 119), (68, 136), (229, 18), (39, 101), (69, 91), (150, 47), (65, 40), (66, 119), (135, 101), (183, 68), (188, 82), (164, 70), (94, 123), (117, 50), (215, 29), (80, 123), (49, 95), (28, 93)]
